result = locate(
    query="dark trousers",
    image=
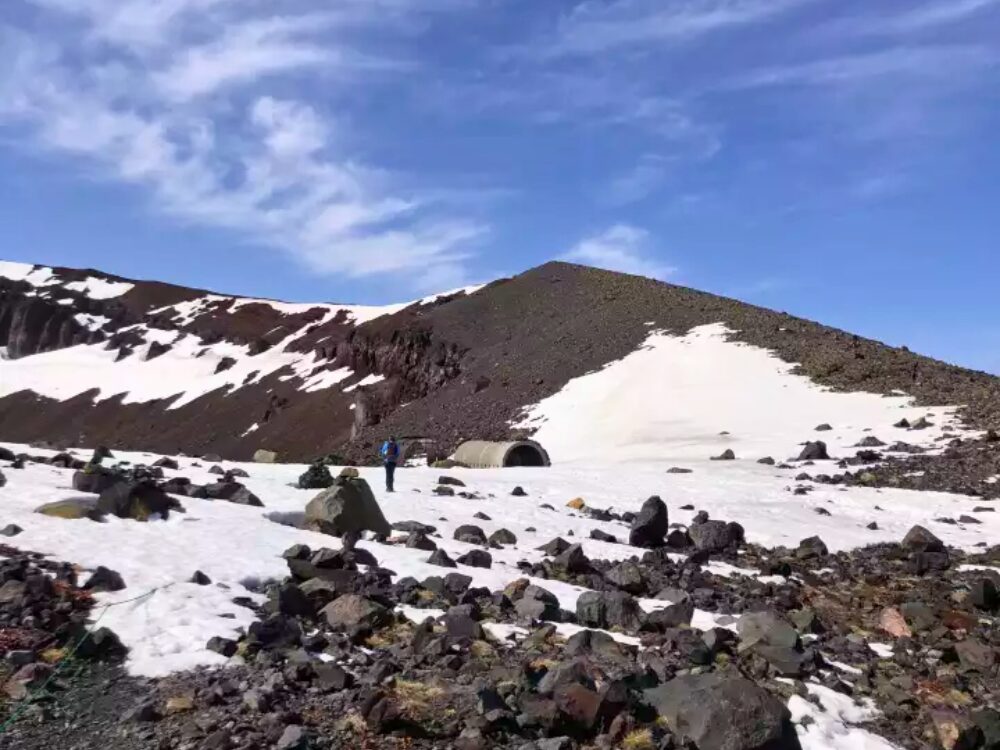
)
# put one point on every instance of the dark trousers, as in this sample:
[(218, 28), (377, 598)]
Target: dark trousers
[(390, 473)]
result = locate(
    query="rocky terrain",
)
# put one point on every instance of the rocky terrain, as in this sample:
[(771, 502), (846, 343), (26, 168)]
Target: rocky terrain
[(897, 641), (311, 380)]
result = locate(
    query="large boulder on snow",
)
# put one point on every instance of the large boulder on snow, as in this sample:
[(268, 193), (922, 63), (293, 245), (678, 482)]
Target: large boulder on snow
[(136, 500), (716, 536), (650, 526), (348, 506), (95, 480), (262, 456)]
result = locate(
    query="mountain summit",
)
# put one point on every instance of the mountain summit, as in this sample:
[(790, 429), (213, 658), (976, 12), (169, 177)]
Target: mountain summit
[(561, 351)]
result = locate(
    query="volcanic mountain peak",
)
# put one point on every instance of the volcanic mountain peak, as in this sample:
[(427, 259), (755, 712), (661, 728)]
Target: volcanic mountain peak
[(99, 359)]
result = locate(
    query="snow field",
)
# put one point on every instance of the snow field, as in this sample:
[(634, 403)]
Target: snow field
[(692, 396), (238, 546)]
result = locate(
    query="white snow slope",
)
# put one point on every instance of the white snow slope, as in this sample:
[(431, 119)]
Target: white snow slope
[(187, 370), (697, 395)]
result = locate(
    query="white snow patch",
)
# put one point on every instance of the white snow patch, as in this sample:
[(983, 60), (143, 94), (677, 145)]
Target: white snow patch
[(367, 380), (41, 276), (979, 568), (833, 725), (674, 397), (326, 379), (466, 290), (252, 428), (882, 650), (91, 322), (98, 288)]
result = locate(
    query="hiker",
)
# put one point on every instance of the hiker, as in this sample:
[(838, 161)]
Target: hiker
[(390, 455)]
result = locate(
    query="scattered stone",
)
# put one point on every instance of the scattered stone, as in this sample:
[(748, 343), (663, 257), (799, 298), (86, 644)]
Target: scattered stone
[(316, 477), (608, 609), (602, 536), (470, 535), (518, 492), (73, 508), (555, 547), (726, 455), (348, 506), (502, 536), (650, 525), (477, 558), (104, 579), (720, 711), (715, 536), (573, 560), (810, 548), (350, 611), (814, 451), (440, 558)]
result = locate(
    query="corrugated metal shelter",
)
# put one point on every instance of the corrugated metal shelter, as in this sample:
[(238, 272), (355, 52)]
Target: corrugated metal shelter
[(483, 454)]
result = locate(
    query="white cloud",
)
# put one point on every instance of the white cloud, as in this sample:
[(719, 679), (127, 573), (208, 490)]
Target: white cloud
[(244, 53), (596, 26), (199, 121), (621, 247), (942, 62), (923, 18)]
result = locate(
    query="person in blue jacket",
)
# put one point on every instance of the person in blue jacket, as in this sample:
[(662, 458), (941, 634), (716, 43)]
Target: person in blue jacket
[(390, 456)]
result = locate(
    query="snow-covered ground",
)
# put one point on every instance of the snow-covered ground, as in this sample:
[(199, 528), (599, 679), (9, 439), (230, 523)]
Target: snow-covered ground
[(234, 544), (687, 396)]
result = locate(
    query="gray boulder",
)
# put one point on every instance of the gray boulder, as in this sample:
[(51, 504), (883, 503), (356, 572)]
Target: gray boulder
[(608, 609), (136, 500), (232, 492), (316, 477), (628, 577), (350, 611), (572, 560), (715, 536), (722, 711), (814, 451), (920, 539), (348, 506), (766, 629), (537, 603), (502, 536), (96, 480), (72, 508), (650, 526), (470, 535)]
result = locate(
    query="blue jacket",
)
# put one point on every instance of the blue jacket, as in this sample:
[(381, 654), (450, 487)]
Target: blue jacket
[(385, 452)]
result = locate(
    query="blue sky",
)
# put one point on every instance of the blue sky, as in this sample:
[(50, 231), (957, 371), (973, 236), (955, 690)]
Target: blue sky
[(838, 159)]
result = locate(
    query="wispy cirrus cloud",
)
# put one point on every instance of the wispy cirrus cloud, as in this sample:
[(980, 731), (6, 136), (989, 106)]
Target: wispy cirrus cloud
[(623, 248), (187, 100), (599, 26)]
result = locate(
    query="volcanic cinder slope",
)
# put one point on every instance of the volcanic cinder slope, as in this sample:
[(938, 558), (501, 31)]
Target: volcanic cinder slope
[(92, 358)]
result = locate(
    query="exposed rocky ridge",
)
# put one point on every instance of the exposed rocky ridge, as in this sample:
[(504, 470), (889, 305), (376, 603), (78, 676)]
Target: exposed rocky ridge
[(465, 366)]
